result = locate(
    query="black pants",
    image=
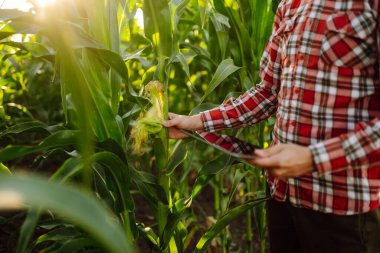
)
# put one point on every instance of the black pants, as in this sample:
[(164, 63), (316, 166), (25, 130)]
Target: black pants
[(294, 230)]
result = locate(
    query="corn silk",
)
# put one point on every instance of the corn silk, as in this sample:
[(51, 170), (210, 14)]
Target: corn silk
[(149, 123)]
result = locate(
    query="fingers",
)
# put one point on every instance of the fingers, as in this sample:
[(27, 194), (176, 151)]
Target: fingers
[(267, 162), (171, 123), (173, 115), (269, 152), (174, 133), (174, 120)]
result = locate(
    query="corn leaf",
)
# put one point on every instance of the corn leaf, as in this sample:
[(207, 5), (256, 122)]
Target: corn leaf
[(35, 49), (238, 177), (75, 245), (59, 235), (177, 9), (149, 186), (30, 126), (58, 139), (223, 222), (68, 169), (27, 229), (178, 156), (202, 107), (172, 222), (224, 70), (78, 207), (182, 60), (20, 25), (149, 234), (157, 24), (4, 170), (203, 7)]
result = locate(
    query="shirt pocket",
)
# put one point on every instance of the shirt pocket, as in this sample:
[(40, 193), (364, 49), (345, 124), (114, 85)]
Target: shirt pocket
[(349, 40)]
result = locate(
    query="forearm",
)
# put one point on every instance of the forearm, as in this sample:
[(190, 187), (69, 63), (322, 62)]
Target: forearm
[(250, 108), (357, 149)]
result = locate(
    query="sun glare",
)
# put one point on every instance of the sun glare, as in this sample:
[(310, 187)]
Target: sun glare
[(22, 5), (43, 3), (140, 18)]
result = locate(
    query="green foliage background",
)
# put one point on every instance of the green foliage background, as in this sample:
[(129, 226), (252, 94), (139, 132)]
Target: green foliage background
[(71, 91)]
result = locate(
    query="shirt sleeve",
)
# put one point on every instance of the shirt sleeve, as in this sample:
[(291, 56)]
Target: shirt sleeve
[(358, 149), (258, 103)]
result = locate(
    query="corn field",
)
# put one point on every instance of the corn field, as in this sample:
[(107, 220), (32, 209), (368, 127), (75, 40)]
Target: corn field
[(85, 165)]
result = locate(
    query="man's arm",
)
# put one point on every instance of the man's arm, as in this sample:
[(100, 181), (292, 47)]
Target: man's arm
[(357, 149)]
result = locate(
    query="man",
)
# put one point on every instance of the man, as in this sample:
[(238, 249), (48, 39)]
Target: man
[(320, 77)]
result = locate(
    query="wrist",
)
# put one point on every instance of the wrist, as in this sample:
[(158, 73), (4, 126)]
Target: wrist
[(197, 122)]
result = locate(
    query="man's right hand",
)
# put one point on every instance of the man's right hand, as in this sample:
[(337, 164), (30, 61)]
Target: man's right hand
[(177, 122)]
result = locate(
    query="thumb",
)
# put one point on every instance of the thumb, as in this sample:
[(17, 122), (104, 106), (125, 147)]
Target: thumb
[(173, 115)]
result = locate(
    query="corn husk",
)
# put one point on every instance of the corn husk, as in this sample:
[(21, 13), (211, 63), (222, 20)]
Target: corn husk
[(149, 123)]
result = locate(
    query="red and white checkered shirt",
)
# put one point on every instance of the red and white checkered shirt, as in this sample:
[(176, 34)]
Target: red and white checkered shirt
[(320, 77)]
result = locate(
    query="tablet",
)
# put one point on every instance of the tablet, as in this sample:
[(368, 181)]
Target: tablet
[(230, 145)]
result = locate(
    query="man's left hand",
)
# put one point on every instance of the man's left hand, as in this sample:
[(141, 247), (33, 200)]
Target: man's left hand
[(285, 160)]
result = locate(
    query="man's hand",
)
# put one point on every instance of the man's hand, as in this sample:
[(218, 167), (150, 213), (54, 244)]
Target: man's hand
[(177, 122), (285, 160)]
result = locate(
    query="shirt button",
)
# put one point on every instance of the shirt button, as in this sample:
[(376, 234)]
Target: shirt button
[(293, 123), (301, 57), (287, 62), (296, 90)]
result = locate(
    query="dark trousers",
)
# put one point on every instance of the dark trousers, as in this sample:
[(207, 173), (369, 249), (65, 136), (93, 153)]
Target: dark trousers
[(294, 230)]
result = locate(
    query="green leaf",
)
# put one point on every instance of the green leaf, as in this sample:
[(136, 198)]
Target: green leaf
[(203, 7), (148, 183), (177, 9), (221, 26), (4, 170), (114, 60), (215, 166), (29, 126), (200, 182), (236, 180), (76, 206), (27, 229), (182, 60), (75, 245), (60, 235), (19, 25), (224, 70), (178, 156), (172, 222), (69, 169), (202, 107), (149, 234), (207, 172), (35, 49), (157, 25), (58, 139), (226, 219)]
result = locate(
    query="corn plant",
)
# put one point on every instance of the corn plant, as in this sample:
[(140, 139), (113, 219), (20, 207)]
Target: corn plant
[(110, 136)]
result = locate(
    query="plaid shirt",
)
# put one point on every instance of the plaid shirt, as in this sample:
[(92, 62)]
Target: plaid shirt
[(320, 77)]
